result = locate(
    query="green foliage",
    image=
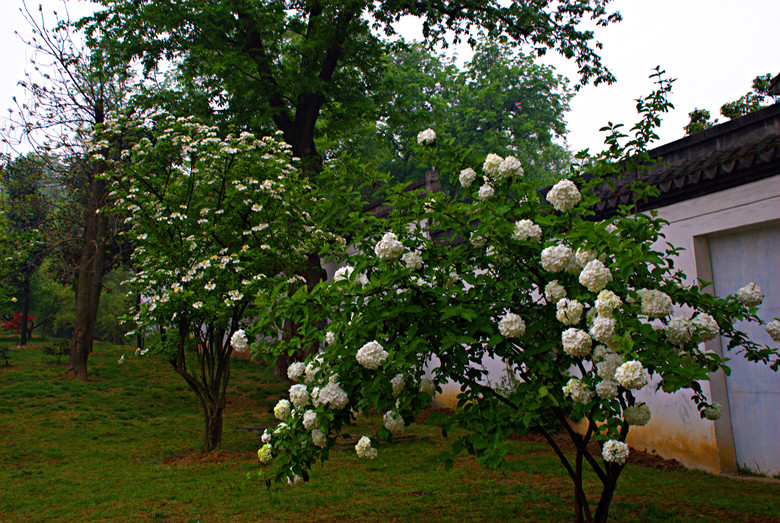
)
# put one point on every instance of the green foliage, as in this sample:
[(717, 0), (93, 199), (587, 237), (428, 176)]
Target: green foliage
[(699, 121), (116, 302)]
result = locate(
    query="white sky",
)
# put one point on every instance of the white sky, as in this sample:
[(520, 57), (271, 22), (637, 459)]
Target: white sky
[(714, 48)]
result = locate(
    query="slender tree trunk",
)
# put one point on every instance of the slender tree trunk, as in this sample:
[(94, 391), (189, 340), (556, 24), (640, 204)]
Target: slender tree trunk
[(602, 510), (89, 285), (25, 309), (212, 429)]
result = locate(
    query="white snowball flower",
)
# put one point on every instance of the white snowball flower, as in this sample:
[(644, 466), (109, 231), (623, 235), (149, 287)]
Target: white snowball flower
[(426, 137), (615, 452), (773, 329), (554, 292), (750, 295), (511, 325), (412, 260), (595, 276), (343, 274), (608, 365), (239, 341), (486, 191), (631, 375), (299, 395), (334, 395), (603, 329), (578, 391), (606, 302), (564, 195), (427, 386), (527, 230), (371, 355), (638, 415), (398, 383), (607, 389), (492, 164), (264, 454), (478, 241), (556, 258), (266, 437), (576, 342), (569, 311), (364, 448), (713, 412), (678, 330), (584, 257), (296, 370), (282, 410), (389, 248), (311, 370), (394, 422), (510, 166), (330, 338), (467, 177), (655, 304), (318, 438), (309, 419), (707, 326)]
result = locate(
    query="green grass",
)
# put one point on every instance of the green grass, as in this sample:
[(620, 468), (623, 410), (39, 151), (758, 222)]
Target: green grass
[(124, 447)]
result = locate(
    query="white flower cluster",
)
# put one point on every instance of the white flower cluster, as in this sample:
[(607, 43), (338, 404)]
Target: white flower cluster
[(330, 338), (318, 438), (750, 295), (398, 382), (556, 258), (609, 363), (239, 341), (638, 415), (467, 177), (282, 410), (564, 195), (631, 375), (511, 325), (607, 389), (527, 230), (412, 260), (371, 355), (310, 420), (615, 452), (569, 311), (486, 192), (678, 330), (492, 165), (606, 302), (595, 276), (655, 304), (334, 395), (299, 395), (603, 329), (364, 448), (773, 329), (343, 274), (477, 241), (508, 167), (427, 387), (578, 391), (713, 412), (426, 137), (576, 342), (554, 292), (708, 327), (264, 454), (295, 370), (394, 422), (389, 248)]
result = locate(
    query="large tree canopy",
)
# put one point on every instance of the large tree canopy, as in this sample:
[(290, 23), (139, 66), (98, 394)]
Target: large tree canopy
[(286, 63)]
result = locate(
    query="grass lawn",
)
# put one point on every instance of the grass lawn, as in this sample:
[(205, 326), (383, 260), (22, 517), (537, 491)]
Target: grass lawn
[(124, 447)]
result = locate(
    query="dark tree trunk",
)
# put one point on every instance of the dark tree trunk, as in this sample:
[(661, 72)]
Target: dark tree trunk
[(25, 309), (91, 269)]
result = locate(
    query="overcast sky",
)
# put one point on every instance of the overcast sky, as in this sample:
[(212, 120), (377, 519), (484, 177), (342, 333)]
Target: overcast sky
[(714, 48)]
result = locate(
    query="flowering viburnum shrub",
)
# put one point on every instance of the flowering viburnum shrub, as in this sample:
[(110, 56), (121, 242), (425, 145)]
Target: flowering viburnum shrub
[(205, 214), (579, 314)]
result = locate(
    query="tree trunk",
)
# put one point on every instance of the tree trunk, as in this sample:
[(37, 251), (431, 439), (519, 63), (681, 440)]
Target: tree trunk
[(212, 428), (89, 285), (602, 510), (25, 310)]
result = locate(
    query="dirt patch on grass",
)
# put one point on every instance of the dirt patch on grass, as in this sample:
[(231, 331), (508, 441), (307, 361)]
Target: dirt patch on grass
[(197, 459)]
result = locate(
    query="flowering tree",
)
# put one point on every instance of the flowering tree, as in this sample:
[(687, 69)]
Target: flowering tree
[(215, 222), (583, 313)]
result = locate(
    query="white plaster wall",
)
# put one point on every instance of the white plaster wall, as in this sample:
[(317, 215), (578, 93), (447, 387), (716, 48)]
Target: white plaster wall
[(676, 429)]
